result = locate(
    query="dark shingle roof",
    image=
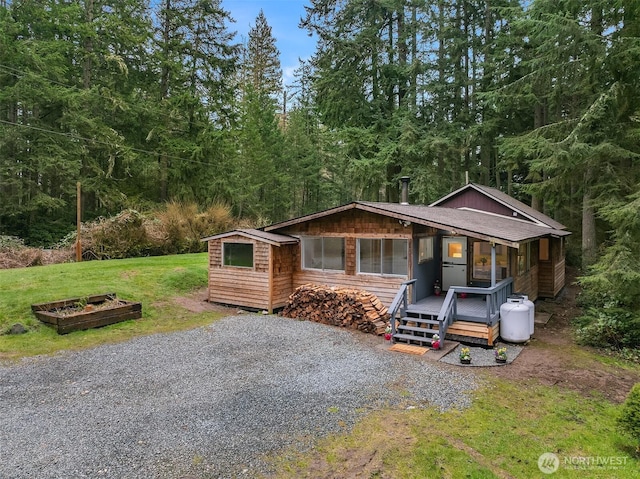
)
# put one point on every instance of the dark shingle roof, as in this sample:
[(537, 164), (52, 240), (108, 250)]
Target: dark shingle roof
[(486, 224), (477, 224), (507, 200)]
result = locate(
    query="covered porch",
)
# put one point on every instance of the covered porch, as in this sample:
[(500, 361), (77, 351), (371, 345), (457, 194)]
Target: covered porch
[(466, 313)]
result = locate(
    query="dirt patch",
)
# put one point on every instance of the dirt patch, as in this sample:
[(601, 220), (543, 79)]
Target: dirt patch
[(553, 358), (362, 455), (197, 303)]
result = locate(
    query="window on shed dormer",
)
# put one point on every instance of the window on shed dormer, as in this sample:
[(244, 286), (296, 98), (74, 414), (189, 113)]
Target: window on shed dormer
[(237, 254)]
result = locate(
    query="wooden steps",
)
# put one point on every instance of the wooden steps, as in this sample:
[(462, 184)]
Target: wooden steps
[(416, 331)]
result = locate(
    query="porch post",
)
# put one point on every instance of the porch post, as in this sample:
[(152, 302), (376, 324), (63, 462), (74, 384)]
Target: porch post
[(493, 264)]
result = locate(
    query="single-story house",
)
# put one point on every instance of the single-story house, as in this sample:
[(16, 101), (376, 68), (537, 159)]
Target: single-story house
[(476, 242)]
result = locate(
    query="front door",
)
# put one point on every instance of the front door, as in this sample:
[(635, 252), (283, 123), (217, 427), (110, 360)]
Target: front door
[(454, 261)]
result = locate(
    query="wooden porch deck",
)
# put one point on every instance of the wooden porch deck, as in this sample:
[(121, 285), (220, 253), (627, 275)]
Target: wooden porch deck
[(469, 306), (473, 328), (469, 313)]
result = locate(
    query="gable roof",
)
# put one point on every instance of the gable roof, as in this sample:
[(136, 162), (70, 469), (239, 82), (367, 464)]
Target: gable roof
[(259, 235), (506, 200), (476, 224)]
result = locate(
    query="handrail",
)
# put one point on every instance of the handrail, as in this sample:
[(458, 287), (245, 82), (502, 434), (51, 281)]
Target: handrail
[(495, 297), (447, 313), (400, 301)]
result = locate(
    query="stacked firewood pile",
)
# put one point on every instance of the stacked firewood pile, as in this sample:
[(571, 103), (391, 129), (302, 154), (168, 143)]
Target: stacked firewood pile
[(351, 308)]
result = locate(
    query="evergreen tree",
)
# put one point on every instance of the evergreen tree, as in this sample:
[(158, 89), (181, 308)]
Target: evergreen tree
[(263, 59), (196, 62), (263, 175)]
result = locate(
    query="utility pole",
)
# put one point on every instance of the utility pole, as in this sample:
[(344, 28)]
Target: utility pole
[(79, 222)]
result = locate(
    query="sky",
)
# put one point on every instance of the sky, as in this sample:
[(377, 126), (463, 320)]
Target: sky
[(283, 16)]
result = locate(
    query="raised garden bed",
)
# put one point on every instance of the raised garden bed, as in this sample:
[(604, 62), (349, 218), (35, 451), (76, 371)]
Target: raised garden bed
[(75, 314)]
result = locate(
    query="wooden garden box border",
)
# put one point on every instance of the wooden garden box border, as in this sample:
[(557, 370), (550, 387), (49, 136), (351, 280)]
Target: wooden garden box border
[(86, 319)]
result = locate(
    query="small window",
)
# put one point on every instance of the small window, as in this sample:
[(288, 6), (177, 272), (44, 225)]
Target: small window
[(425, 249), (544, 249), (323, 253), (454, 250), (383, 256), (237, 254), (524, 254)]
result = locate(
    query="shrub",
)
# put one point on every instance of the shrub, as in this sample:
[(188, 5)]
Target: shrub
[(10, 243), (14, 254), (177, 228), (611, 296), (629, 419), (611, 326), (180, 227), (121, 236)]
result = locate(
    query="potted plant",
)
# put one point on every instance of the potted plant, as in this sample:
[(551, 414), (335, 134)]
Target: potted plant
[(435, 341), (501, 354), (387, 333), (465, 356), (437, 289)]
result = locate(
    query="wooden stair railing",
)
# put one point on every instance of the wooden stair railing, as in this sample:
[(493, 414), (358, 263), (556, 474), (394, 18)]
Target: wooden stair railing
[(419, 329)]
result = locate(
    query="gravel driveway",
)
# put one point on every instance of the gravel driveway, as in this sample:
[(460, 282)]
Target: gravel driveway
[(209, 402)]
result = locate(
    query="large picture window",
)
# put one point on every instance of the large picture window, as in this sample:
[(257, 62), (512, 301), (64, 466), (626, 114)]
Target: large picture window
[(237, 254), (482, 261), (324, 253), (383, 256)]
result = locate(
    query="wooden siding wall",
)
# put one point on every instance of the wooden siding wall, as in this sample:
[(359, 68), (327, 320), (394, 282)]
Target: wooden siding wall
[(527, 282), (351, 225), (248, 287), (559, 277), (283, 258), (552, 272), (384, 287), (474, 199), (546, 279)]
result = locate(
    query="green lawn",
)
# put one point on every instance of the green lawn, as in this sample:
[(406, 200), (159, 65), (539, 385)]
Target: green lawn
[(509, 425), (503, 434), (152, 281)]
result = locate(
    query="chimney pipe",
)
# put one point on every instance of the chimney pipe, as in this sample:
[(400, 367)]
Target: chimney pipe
[(404, 197)]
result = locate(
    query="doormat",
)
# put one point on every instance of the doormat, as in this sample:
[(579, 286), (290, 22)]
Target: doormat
[(409, 349)]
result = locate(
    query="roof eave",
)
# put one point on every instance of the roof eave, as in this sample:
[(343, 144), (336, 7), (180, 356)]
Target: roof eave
[(440, 226), (248, 235)]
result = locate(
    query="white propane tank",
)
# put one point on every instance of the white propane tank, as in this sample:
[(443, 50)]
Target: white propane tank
[(532, 311), (514, 320)]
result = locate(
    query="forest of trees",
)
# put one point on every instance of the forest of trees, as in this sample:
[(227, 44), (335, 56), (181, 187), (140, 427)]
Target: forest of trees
[(144, 102)]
